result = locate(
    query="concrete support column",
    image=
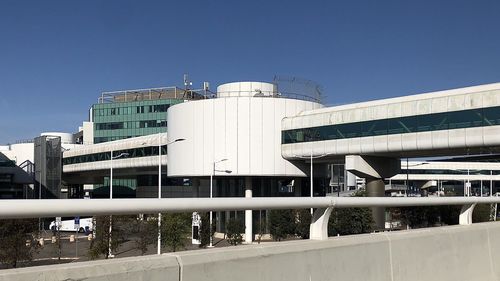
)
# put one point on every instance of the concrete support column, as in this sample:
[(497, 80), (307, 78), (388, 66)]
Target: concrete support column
[(466, 214), (376, 188), (318, 230), (374, 169), (248, 213)]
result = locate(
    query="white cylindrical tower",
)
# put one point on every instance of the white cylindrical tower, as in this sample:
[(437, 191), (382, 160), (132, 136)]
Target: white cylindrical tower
[(242, 125)]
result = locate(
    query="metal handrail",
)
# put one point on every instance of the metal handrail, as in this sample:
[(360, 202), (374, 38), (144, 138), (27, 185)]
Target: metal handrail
[(318, 228), (75, 207)]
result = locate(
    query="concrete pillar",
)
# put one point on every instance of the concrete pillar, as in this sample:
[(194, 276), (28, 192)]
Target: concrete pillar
[(319, 225), (248, 213), (376, 188), (374, 169)]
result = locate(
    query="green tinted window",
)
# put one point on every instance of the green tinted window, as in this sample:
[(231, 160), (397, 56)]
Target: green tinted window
[(432, 122), (491, 116), (420, 123), (465, 119)]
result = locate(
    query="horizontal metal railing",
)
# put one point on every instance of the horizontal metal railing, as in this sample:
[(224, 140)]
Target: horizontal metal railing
[(83, 207), (75, 207)]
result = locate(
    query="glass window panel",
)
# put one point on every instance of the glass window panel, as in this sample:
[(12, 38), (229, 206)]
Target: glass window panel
[(402, 125), (374, 128), (432, 122), (491, 116), (465, 119), (350, 130)]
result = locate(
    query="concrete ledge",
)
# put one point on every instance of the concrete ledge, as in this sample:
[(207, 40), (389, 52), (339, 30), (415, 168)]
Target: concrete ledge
[(134, 268), (451, 253)]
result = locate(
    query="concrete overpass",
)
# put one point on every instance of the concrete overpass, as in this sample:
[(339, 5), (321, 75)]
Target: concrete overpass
[(374, 135), (452, 122), (90, 163)]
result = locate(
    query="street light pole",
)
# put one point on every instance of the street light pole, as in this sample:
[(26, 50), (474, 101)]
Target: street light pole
[(124, 154), (311, 181), (159, 187), (407, 178), (407, 174), (211, 194), (159, 194)]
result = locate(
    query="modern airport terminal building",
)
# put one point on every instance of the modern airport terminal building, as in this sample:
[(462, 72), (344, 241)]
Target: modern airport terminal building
[(251, 139)]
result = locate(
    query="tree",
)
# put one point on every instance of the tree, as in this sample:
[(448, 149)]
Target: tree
[(481, 213), (18, 241), (100, 243), (145, 233), (205, 232), (281, 224), (425, 216), (175, 229), (351, 220), (234, 228), (302, 223)]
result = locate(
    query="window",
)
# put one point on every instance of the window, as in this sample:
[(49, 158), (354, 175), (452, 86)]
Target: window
[(465, 119), (374, 128), (491, 116), (421, 123), (109, 126), (402, 125), (432, 122)]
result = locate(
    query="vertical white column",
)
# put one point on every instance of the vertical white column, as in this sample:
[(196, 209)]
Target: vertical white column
[(248, 213), (158, 246)]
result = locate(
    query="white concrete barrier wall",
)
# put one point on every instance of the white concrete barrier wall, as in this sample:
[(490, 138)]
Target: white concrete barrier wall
[(447, 253), (164, 268)]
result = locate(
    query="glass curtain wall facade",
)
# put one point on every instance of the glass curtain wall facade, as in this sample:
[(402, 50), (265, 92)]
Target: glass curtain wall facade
[(124, 115), (120, 120)]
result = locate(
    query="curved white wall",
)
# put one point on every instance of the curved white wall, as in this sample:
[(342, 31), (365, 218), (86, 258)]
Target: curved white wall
[(245, 130)]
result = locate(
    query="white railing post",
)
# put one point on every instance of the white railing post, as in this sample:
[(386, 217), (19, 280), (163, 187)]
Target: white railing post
[(318, 230), (466, 214)]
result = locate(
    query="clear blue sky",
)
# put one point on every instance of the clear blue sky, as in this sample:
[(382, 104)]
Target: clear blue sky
[(56, 57)]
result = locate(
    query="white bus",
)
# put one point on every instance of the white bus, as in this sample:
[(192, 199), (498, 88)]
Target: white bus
[(85, 225)]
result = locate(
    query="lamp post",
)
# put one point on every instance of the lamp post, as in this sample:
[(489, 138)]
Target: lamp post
[(124, 154), (407, 174), (211, 193), (311, 157), (467, 184), (159, 186)]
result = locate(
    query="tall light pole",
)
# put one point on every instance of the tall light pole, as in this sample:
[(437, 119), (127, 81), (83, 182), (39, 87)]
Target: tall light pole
[(311, 157), (211, 193), (159, 186), (408, 176), (124, 154)]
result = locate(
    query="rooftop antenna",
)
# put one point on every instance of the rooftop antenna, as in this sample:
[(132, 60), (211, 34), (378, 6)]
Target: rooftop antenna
[(187, 84), (206, 88)]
